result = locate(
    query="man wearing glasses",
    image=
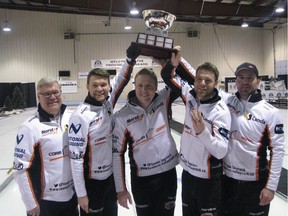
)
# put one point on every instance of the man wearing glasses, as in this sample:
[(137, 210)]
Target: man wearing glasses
[(41, 156)]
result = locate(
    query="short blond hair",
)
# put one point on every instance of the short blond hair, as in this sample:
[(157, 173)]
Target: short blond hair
[(47, 81)]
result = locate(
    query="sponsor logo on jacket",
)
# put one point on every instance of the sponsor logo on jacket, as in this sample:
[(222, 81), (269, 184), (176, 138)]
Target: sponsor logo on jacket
[(49, 131), (104, 168), (19, 152), (76, 141), (161, 162), (61, 186), (100, 140), (64, 152), (135, 119), (65, 127), (74, 128), (249, 117), (154, 109), (207, 120), (19, 138), (17, 166), (96, 121), (140, 139), (188, 130)]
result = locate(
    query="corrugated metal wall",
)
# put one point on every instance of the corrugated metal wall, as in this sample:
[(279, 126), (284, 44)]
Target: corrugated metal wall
[(36, 47)]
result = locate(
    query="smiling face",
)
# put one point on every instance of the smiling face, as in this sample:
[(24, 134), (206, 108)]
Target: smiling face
[(205, 82), (50, 98), (98, 87), (145, 88), (247, 83)]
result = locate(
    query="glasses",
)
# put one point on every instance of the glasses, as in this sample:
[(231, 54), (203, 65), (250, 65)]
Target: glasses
[(49, 95)]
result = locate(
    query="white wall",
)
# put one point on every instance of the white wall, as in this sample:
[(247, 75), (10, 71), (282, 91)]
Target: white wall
[(36, 47), (278, 51)]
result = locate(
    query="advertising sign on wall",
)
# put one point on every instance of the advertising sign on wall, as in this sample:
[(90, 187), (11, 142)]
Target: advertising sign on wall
[(68, 86), (114, 63)]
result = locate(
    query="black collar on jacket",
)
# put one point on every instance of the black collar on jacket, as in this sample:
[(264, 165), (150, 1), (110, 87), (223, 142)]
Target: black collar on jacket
[(92, 101), (46, 117), (214, 99), (132, 97), (253, 98)]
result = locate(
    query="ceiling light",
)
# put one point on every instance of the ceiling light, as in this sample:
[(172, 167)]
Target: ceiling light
[(134, 10), (127, 26), (6, 27), (244, 25), (279, 9)]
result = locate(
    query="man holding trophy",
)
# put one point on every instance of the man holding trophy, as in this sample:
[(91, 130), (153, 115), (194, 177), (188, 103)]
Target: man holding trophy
[(142, 126)]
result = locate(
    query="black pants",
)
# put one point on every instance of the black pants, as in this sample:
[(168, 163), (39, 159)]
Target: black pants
[(52, 208), (200, 196), (241, 198), (102, 197), (155, 195)]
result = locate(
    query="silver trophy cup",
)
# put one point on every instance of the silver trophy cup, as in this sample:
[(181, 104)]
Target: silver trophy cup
[(154, 42)]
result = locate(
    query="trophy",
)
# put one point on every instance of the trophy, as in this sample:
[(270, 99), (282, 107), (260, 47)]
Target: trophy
[(154, 42)]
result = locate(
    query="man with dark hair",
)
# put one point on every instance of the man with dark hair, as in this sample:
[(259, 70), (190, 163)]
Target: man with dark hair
[(204, 140), (250, 178), (90, 140)]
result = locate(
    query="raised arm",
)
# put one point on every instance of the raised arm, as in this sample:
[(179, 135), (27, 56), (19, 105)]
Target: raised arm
[(184, 72), (168, 72), (122, 78)]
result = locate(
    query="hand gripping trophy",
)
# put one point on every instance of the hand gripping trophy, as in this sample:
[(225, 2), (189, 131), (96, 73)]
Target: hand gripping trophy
[(154, 42)]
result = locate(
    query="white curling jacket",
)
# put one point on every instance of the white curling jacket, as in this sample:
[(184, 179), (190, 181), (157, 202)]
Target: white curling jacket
[(152, 149), (90, 136), (41, 159), (201, 155), (256, 127)]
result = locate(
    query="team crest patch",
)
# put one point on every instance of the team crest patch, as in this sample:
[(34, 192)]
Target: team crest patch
[(224, 132), (279, 129)]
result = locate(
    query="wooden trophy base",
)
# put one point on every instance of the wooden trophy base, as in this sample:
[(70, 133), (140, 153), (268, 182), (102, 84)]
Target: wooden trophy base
[(154, 51)]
